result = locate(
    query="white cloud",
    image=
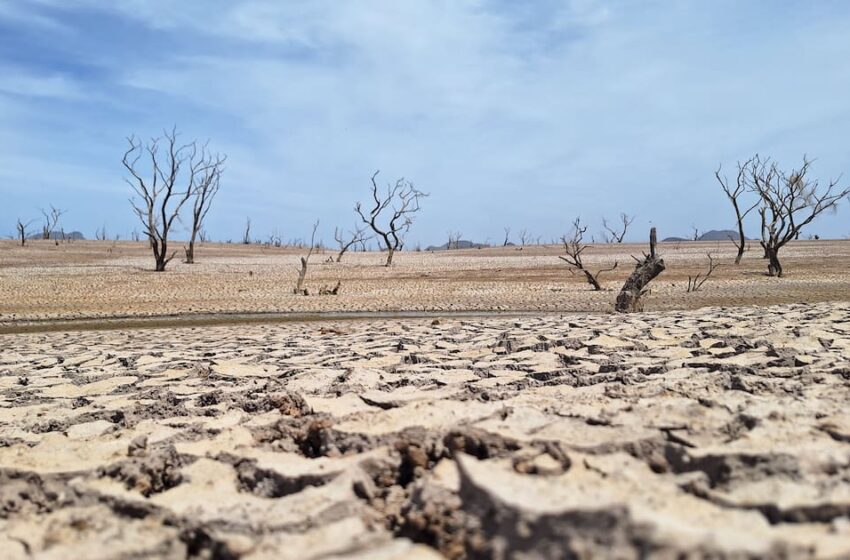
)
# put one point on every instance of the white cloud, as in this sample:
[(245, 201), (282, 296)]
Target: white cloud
[(523, 113)]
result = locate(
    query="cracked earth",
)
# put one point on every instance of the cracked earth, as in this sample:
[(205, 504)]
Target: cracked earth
[(720, 433)]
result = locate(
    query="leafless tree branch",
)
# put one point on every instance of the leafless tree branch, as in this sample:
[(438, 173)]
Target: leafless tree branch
[(574, 246), (391, 214)]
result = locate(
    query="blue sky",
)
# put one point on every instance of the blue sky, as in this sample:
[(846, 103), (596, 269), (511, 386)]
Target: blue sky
[(520, 114)]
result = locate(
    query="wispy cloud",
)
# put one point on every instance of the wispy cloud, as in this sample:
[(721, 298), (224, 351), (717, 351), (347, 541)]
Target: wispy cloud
[(515, 113)]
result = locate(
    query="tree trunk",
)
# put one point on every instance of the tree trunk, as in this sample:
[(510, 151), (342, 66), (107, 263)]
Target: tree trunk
[(592, 281), (160, 257), (774, 267), (299, 285), (629, 298), (190, 252), (742, 242), (390, 253)]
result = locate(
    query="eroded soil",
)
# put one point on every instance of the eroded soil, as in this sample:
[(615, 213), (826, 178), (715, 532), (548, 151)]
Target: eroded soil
[(719, 433)]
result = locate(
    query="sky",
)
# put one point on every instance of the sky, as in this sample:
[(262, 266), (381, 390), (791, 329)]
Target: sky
[(510, 114)]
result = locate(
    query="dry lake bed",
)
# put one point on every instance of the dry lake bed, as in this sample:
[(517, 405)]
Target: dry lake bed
[(504, 412)]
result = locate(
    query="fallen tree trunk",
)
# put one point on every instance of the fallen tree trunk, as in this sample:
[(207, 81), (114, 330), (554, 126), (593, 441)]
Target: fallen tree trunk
[(629, 298)]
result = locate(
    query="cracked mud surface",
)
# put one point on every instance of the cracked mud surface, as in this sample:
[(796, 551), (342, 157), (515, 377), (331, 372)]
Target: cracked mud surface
[(720, 433)]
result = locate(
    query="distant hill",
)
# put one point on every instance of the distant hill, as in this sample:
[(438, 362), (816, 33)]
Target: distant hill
[(72, 235), (713, 235), (720, 235), (462, 244)]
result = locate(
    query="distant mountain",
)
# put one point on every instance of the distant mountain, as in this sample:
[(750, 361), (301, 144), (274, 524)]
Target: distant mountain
[(462, 244), (720, 235), (713, 235), (72, 235)]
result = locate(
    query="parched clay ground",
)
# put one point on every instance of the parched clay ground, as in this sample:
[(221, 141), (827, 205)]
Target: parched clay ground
[(45, 281), (720, 433)]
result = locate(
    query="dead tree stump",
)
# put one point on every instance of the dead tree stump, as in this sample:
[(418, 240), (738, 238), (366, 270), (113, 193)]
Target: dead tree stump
[(629, 298), (302, 273)]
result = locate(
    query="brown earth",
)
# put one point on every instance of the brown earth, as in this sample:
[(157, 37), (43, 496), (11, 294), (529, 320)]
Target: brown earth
[(679, 433)]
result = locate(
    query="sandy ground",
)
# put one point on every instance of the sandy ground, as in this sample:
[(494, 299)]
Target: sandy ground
[(719, 433), (102, 279)]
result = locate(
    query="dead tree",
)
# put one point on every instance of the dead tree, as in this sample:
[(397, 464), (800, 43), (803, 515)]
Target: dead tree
[(354, 237), (695, 234), (246, 237), (302, 272), (524, 237), (616, 235), (734, 194), (204, 189), (51, 220), (629, 298), (275, 239), (696, 282), (454, 240), (100, 234), (22, 230), (574, 246), (397, 207), (789, 201), (163, 185), (507, 237)]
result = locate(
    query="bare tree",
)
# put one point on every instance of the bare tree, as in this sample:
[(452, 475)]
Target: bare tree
[(205, 187), (346, 242), (507, 237), (695, 234), (51, 220), (617, 234), (22, 230), (302, 272), (275, 239), (398, 207), (629, 298), (246, 237), (100, 234), (524, 237), (454, 240), (788, 202), (574, 246), (734, 194), (171, 171), (696, 282)]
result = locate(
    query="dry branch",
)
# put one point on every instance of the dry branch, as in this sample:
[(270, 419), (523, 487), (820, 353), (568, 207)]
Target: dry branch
[(734, 194), (398, 206), (617, 235), (356, 236), (696, 282), (574, 246)]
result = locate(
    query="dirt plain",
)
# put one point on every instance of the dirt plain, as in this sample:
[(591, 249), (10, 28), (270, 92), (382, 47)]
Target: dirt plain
[(713, 426)]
